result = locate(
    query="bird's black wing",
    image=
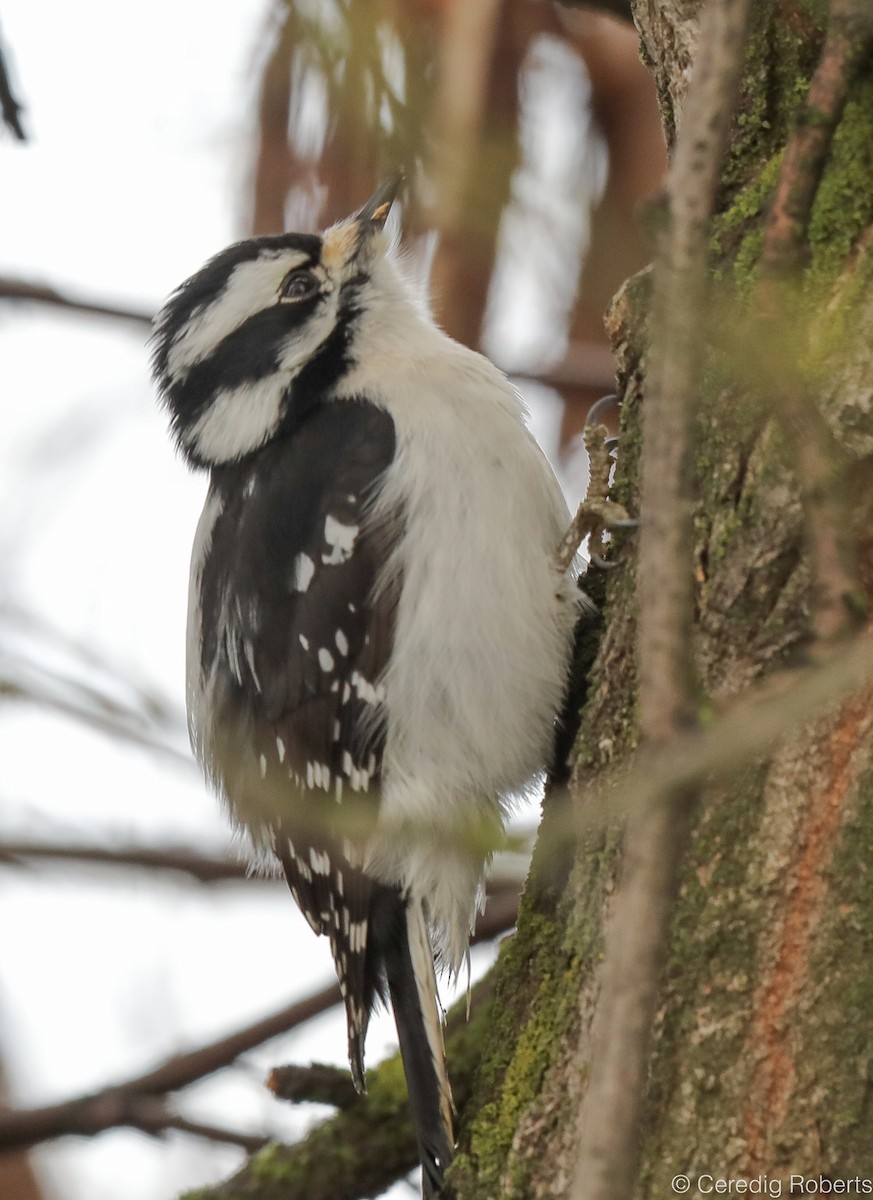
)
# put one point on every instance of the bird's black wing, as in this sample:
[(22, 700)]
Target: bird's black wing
[(296, 640)]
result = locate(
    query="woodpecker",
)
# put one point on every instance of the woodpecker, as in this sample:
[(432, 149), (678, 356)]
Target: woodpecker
[(378, 632)]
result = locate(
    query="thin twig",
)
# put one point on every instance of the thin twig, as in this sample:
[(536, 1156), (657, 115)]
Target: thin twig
[(848, 42), (10, 109), (752, 726), (502, 891), (151, 1115), (637, 939), (113, 719), (22, 290), (176, 859)]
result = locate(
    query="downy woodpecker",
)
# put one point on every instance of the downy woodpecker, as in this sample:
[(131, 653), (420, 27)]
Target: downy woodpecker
[(378, 636)]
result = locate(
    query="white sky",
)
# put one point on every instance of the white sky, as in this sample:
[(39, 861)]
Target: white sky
[(141, 122)]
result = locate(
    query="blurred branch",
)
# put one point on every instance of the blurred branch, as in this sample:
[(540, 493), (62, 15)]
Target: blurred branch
[(200, 867), (767, 714), (18, 1178), (22, 290), (132, 1103), (151, 1115), (365, 1147), (9, 106), (112, 703), (317, 1083), (93, 708), (617, 8), (274, 165), (117, 1105), (499, 915), (585, 365), (848, 43), (656, 835)]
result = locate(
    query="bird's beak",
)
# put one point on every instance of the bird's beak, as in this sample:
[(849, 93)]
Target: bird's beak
[(349, 239), (374, 214)]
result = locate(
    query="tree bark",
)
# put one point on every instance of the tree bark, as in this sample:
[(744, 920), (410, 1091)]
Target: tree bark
[(761, 1063)]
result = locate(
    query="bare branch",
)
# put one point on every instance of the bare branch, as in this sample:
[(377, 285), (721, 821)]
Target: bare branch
[(617, 8), (316, 1083), (140, 722), (585, 365), (116, 1105), (126, 1103), (502, 892), (22, 290), (151, 1115), (765, 716), (656, 835), (178, 859), (365, 1147), (848, 42), (10, 109)]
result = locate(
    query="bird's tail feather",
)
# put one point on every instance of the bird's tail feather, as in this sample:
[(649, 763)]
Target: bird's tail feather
[(412, 987)]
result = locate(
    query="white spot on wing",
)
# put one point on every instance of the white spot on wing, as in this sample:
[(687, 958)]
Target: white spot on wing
[(304, 569), (341, 539), (342, 642), (320, 862), (249, 652), (325, 660)]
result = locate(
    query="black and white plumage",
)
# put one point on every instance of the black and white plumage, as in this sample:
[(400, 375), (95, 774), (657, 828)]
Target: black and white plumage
[(378, 635)]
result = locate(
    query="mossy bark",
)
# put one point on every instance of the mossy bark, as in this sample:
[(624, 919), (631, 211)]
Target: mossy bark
[(763, 1056)]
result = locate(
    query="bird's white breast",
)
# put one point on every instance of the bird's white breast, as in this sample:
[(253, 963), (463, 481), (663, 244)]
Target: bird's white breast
[(484, 624)]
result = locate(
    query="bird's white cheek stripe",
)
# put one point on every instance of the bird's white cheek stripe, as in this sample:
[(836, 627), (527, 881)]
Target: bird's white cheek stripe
[(238, 420), (250, 287)]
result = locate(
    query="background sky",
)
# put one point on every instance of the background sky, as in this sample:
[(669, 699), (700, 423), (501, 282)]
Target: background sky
[(141, 122)]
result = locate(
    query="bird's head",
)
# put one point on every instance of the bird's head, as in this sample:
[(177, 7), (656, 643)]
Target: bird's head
[(244, 345)]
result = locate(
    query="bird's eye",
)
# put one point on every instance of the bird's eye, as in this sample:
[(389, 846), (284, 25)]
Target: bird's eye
[(298, 285)]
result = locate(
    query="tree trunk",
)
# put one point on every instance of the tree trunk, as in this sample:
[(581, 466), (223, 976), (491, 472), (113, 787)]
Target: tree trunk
[(763, 1054), (762, 1062)]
